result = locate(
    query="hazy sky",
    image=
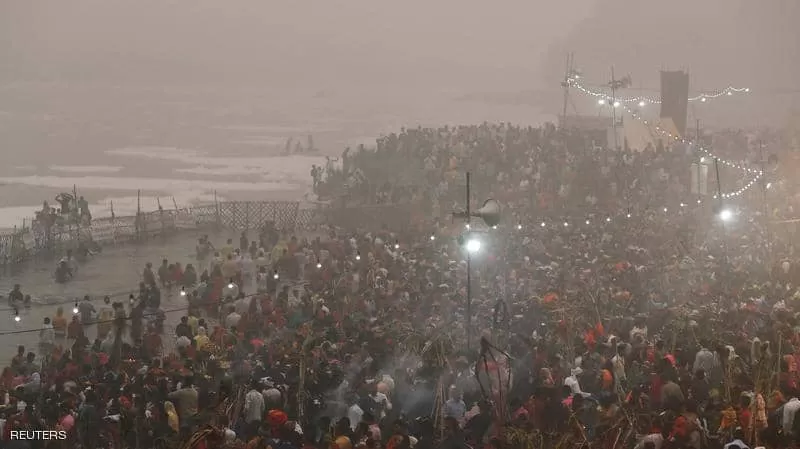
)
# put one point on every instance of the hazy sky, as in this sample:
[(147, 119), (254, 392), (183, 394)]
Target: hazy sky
[(462, 44), (333, 41)]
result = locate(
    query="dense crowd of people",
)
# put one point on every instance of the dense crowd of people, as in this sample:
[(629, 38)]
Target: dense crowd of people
[(604, 312)]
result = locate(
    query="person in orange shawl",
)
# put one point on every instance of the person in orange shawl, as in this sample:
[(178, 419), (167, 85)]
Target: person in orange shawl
[(276, 418), (342, 443)]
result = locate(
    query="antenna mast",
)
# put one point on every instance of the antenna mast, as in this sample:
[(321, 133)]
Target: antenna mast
[(568, 73)]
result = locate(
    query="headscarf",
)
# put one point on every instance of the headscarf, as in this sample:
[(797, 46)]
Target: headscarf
[(201, 339), (172, 416), (343, 443), (276, 418)]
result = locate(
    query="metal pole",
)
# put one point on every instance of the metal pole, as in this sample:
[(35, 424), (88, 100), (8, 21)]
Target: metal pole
[(614, 109), (469, 275), (567, 74), (721, 206), (697, 144), (767, 227)]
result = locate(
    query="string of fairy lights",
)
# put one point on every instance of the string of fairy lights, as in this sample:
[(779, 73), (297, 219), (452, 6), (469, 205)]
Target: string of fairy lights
[(644, 100), (756, 173), (591, 219), (606, 99)]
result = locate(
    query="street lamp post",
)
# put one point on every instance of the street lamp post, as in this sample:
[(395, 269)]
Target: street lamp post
[(490, 214), (469, 272)]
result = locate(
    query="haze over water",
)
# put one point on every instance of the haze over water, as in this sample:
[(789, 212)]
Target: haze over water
[(183, 98)]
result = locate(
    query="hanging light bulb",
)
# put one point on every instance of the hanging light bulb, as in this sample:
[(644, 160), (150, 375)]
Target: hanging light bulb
[(566, 224), (703, 99), (319, 264), (494, 227), (131, 299), (519, 226), (466, 225), (641, 104), (358, 255), (608, 219), (275, 275), (183, 291), (587, 222), (231, 284), (543, 224), (628, 215), (75, 309), (601, 102), (396, 244), (433, 237), (17, 318), (616, 104)]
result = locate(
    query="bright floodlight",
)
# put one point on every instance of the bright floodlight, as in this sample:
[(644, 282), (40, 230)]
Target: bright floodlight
[(616, 104), (726, 215), (473, 246)]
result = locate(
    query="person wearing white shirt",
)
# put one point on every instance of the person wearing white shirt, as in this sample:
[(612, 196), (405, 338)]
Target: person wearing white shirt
[(656, 438), (383, 402), (354, 414), (789, 411), (261, 259), (233, 318), (47, 338), (242, 305), (618, 363), (572, 381), (183, 342), (736, 444), (248, 267), (253, 410)]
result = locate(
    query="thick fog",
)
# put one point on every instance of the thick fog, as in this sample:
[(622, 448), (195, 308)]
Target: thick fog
[(324, 43), (461, 45)]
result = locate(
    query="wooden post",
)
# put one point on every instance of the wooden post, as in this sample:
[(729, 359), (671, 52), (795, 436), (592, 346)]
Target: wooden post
[(113, 223), (75, 213), (161, 217), (216, 207), (137, 222)]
